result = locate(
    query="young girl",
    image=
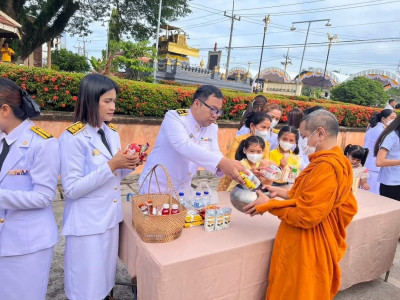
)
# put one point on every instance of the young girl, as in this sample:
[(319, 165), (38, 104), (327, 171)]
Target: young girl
[(250, 154), (284, 157), (92, 166), (357, 156), (29, 167)]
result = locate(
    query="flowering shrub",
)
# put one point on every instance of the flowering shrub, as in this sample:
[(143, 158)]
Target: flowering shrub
[(58, 91)]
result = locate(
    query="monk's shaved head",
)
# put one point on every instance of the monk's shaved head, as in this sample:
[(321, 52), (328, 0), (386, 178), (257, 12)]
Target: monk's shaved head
[(322, 118)]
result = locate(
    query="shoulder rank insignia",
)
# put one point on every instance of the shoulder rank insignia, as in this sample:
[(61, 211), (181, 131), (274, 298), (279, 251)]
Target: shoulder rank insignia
[(182, 112), (76, 127), (39, 131), (112, 126)]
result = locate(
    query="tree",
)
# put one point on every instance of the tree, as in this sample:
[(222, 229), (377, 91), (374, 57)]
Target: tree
[(361, 91), (68, 61), (43, 20)]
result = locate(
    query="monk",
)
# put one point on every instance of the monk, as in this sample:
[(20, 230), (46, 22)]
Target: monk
[(311, 237)]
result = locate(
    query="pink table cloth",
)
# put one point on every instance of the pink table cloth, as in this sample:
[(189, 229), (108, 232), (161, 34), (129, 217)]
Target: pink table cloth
[(234, 263)]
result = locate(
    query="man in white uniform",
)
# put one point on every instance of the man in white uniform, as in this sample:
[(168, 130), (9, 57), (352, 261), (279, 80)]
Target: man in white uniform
[(188, 139)]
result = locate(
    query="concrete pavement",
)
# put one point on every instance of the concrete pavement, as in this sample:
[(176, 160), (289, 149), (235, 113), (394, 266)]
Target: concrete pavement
[(372, 290)]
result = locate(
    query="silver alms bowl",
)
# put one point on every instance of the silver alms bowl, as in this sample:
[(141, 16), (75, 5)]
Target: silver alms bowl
[(240, 197)]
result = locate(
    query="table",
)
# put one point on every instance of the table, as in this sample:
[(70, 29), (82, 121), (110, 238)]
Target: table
[(234, 263)]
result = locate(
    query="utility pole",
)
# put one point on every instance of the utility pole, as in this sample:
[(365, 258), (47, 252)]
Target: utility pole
[(84, 41), (233, 18), (398, 69), (266, 22), (287, 61), (332, 39)]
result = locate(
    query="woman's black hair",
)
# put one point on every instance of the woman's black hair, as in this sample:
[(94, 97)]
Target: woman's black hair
[(256, 118), (376, 118), (22, 105), (356, 152), (395, 125), (254, 139), (295, 117), (91, 88), (290, 129), (256, 105)]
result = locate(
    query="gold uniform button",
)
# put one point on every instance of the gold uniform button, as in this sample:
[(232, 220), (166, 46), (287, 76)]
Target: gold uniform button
[(115, 188), (115, 200), (1, 220)]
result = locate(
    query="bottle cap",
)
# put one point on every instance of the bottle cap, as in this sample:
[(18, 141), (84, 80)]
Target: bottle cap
[(206, 193), (198, 194), (175, 206), (165, 205), (181, 194)]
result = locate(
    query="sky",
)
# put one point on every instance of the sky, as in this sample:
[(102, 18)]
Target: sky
[(368, 34)]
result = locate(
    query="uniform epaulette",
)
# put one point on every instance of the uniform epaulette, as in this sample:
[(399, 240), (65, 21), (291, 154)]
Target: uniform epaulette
[(39, 131), (182, 112), (112, 126), (76, 127)]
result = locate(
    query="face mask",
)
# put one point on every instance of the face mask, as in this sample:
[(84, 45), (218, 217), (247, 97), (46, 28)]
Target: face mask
[(254, 158), (266, 135), (305, 148), (274, 123), (388, 122), (286, 146)]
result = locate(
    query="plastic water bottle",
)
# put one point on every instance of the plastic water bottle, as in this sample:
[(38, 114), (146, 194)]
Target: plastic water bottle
[(197, 201), (182, 199), (206, 198)]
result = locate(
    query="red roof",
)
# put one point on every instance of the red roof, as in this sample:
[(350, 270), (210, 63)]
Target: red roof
[(7, 22)]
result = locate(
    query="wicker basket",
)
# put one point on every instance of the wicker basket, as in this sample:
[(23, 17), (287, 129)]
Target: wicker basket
[(158, 229)]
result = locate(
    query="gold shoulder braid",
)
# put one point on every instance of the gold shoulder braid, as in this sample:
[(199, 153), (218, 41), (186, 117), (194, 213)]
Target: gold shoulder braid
[(112, 126), (76, 127), (43, 133), (182, 112)]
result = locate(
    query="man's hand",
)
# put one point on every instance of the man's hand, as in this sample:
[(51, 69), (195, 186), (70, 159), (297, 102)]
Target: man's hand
[(231, 168), (124, 161), (250, 209)]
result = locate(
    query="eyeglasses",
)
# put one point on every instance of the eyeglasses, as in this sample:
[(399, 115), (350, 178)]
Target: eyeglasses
[(213, 111)]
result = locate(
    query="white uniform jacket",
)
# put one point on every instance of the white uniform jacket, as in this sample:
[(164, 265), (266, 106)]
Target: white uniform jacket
[(92, 191), (28, 182), (182, 146)]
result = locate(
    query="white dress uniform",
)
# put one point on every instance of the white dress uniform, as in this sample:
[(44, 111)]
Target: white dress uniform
[(28, 230), (182, 146), (92, 210), (370, 139)]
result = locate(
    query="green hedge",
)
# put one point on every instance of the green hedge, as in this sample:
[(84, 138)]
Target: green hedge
[(57, 91)]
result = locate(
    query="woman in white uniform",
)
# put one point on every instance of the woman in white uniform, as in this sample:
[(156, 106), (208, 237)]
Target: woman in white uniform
[(377, 124), (29, 167), (92, 166)]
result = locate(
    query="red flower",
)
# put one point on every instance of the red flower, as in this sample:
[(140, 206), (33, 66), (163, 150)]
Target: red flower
[(46, 89), (56, 88), (67, 92), (5, 75), (284, 119), (63, 105), (53, 79), (74, 98), (55, 97), (42, 104)]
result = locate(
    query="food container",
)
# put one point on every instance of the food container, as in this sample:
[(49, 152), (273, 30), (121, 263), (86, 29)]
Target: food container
[(241, 197), (272, 172)]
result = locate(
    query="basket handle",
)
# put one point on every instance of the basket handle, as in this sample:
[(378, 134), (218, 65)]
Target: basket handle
[(203, 183), (170, 186)]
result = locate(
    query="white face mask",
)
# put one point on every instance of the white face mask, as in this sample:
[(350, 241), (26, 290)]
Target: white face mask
[(254, 158), (274, 123), (266, 135), (286, 146), (305, 148), (388, 122)]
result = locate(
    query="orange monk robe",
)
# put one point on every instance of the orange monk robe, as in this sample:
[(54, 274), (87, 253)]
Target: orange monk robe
[(311, 237)]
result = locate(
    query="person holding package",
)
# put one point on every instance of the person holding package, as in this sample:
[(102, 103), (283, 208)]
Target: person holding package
[(29, 167), (188, 139), (92, 167), (259, 124), (284, 157), (314, 215)]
